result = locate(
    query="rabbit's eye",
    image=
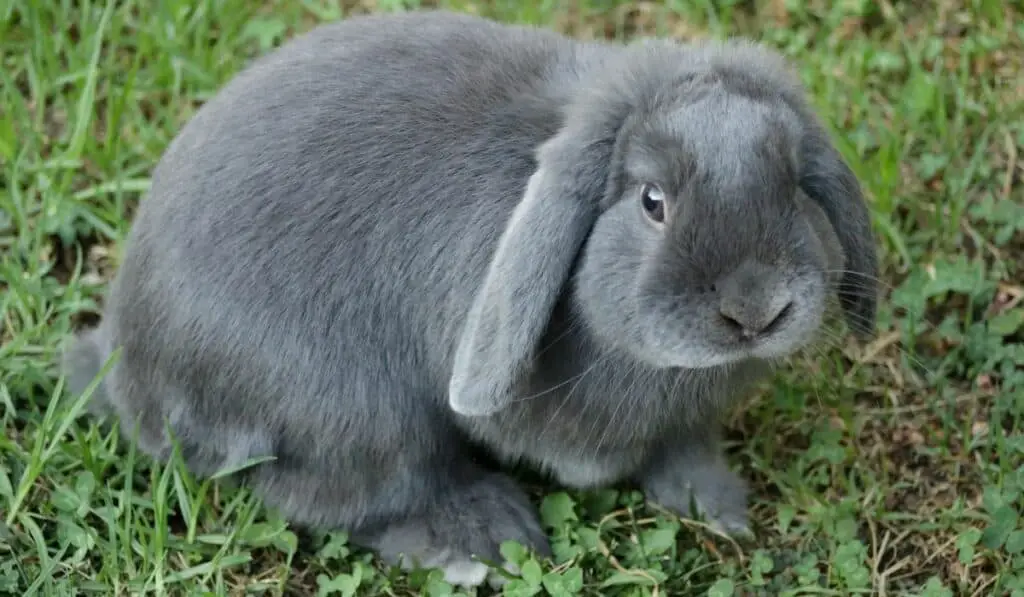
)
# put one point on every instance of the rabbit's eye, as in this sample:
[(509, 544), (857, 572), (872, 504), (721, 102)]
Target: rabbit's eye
[(653, 201)]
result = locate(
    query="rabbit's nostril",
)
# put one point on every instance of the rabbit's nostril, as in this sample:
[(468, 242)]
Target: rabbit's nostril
[(779, 319), (731, 321)]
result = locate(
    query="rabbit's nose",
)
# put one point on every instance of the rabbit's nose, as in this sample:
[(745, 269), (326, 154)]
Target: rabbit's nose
[(752, 302), (750, 322)]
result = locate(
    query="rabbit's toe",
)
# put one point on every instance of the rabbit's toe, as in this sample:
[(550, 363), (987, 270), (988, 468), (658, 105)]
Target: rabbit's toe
[(457, 569), (472, 573), (732, 525), (729, 519), (466, 573)]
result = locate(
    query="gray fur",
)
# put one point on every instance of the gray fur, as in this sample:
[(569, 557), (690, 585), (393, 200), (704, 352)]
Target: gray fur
[(399, 236)]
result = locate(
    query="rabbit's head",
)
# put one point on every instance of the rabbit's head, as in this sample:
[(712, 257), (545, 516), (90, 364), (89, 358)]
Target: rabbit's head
[(705, 213)]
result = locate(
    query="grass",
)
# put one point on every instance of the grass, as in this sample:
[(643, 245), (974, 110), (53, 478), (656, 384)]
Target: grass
[(895, 468)]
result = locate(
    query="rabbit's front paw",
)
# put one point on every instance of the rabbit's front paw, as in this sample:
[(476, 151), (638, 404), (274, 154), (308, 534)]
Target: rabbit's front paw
[(719, 495)]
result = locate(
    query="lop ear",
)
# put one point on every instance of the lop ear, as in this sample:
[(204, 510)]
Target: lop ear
[(828, 180), (527, 274)]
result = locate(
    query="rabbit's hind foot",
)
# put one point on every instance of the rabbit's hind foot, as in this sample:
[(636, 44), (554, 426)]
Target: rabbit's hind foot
[(461, 533)]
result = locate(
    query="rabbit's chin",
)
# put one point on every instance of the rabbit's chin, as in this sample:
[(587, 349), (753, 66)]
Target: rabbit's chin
[(692, 353), (706, 358)]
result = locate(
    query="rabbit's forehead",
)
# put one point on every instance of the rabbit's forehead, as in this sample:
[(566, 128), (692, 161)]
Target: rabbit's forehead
[(723, 137)]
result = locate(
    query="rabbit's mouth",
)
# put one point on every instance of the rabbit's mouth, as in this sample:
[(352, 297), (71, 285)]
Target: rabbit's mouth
[(712, 341)]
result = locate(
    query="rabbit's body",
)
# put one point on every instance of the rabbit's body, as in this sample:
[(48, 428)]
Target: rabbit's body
[(301, 283)]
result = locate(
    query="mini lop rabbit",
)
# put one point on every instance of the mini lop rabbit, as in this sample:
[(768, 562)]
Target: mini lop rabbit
[(398, 239)]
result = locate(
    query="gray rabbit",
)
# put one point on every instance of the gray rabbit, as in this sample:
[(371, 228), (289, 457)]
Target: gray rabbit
[(400, 238)]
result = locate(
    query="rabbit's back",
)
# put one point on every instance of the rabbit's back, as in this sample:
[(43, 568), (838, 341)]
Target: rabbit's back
[(315, 234)]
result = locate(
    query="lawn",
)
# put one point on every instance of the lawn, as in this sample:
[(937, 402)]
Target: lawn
[(889, 468)]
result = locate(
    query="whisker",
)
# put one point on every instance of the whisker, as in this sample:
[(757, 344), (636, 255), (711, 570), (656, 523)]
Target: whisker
[(850, 272), (574, 378), (915, 361), (575, 323), (612, 419), (554, 414), (583, 411), (579, 380), (623, 395)]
